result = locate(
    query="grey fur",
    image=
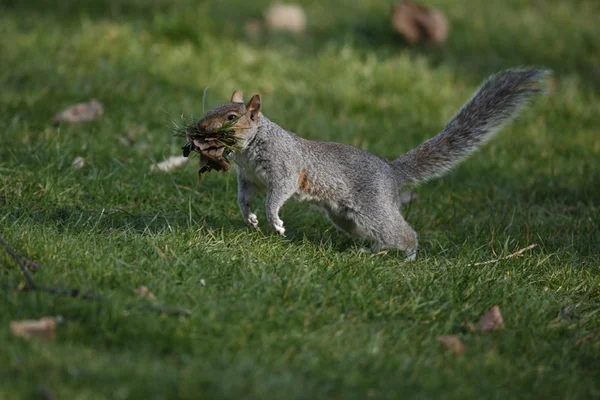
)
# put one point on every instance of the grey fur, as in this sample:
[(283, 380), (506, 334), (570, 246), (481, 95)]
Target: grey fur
[(359, 191)]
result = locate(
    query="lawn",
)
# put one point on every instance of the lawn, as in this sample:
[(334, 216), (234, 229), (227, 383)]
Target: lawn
[(307, 316)]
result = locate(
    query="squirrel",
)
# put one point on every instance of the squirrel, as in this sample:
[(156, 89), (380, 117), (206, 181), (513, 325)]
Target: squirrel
[(360, 191)]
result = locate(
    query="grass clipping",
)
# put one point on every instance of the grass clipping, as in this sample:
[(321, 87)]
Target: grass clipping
[(213, 147)]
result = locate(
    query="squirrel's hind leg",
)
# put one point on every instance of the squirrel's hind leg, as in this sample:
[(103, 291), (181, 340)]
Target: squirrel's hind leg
[(387, 232)]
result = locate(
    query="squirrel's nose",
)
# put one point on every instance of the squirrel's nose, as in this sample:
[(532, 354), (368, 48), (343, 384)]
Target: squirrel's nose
[(208, 126)]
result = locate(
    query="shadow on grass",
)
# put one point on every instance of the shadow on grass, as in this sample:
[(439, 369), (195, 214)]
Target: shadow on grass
[(77, 220)]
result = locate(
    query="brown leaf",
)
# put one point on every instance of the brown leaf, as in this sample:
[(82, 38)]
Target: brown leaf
[(286, 17), (145, 292), (418, 23), (491, 320), (585, 339), (451, 343), (80, 112), (43, 328)]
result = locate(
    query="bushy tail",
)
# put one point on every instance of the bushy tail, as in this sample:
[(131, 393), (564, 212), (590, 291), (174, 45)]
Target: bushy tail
[(496, 102)]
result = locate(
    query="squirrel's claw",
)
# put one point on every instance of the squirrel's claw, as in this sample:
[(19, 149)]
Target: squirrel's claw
[(253, 220), (278, 226)]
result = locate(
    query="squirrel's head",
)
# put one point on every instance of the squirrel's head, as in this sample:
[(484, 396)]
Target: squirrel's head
[(245, 115)]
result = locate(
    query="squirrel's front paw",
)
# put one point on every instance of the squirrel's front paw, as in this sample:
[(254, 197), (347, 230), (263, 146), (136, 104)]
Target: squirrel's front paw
[(253, 220), (278, 226)]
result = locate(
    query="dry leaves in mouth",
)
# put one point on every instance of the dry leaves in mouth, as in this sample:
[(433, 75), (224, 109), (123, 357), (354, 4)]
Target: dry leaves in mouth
[(452, 343), (80, 112), (43, 328), (419, 23), (143, 291), (211, 154), (211, 146)]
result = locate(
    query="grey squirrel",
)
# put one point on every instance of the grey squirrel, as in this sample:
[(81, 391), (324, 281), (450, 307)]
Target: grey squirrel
[(359, 191)]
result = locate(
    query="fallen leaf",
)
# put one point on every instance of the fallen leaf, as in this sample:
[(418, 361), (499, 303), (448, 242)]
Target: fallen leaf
[(78, 162), (419, 23), (585, 339), (80, 112), (491, 320), (143, 291), (286, 17), (451, 343), (169, 164), (43, 328)]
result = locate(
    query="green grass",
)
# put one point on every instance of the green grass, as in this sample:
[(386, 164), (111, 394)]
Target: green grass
[(308, 316)]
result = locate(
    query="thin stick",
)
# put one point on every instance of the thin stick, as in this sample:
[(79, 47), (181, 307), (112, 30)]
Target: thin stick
[(21, 261), (516, 253), (73, 292), (76, 293)]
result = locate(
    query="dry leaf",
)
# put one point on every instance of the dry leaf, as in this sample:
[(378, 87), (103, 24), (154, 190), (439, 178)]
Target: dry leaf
[(451, 343), (286, 17), (80, 112), (418, 23), (78, 162), (491, 320), (145, 292), (43, 328), (585, 339), (169, 164)]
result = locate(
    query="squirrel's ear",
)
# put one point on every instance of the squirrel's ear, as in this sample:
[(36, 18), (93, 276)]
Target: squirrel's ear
[(237, 97), (253, 106)]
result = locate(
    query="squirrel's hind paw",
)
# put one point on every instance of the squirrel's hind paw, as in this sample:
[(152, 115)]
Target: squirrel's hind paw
[(278, 226)]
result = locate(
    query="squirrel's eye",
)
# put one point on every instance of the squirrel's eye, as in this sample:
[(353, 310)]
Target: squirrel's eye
[(231, 117)]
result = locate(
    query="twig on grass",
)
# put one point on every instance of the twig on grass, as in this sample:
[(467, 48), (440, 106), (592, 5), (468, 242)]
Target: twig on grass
[(55, 290), (516, 253), (22, 261), (73, 292)]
